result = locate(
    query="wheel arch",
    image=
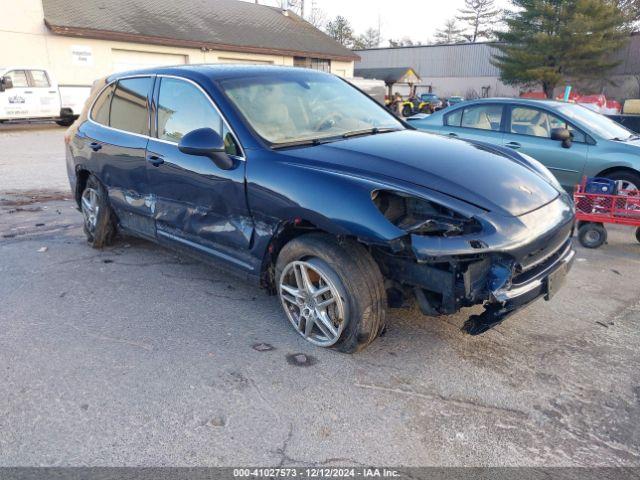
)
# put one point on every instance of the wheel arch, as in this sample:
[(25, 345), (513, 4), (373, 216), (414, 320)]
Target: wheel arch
[(284, 233), (619, 168), (82, 176)]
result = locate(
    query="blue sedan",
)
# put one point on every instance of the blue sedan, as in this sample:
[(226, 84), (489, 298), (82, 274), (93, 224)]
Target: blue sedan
[(570, 140)]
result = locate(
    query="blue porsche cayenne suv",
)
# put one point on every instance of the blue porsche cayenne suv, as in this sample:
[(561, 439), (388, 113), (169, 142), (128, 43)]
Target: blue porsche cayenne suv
[(314, 191)]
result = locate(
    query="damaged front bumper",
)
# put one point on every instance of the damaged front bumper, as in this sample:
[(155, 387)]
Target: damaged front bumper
[(504, 270)]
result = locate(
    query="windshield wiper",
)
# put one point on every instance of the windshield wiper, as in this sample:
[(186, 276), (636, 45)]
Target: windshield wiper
[(303, 143), (370, 131)]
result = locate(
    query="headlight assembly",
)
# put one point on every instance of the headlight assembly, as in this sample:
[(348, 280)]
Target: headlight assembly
[(422, 217)]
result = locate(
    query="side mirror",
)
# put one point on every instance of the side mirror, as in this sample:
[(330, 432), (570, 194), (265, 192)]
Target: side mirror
[(5, 83), (206, 142), (563, 135)]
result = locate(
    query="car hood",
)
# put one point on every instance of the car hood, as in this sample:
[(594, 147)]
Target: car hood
[(476, 174)]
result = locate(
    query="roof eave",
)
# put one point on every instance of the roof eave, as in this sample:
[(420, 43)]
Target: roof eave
[(154, 40)]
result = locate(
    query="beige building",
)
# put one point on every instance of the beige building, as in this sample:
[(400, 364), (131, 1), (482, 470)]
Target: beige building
[(82, 40)]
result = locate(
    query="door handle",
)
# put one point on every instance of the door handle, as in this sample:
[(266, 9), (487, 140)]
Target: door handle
[(514, 145), (27, 91), (155, 159), (95, 146), (451, 134)]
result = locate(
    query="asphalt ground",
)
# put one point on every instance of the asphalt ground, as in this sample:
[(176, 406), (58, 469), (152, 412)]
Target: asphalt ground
[(136, 356)]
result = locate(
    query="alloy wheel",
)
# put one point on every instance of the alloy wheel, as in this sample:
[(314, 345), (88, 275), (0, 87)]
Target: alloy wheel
[(90, 208), (311, 298), (626, 185)]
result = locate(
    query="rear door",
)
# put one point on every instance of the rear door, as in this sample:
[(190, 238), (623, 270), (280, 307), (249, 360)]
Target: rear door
[(46, 98), (17, 102), (528, 130), (116, 139), (197, 203), (482, 122)]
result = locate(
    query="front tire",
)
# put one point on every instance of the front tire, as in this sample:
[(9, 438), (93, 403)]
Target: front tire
[(65, 122), (592, 235), (625, 180), (407, 111), (99, 219), (332, 291)]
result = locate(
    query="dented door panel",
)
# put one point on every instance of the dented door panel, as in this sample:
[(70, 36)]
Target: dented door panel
[(195, 199)]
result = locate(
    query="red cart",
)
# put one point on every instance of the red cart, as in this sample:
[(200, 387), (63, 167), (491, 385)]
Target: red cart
[(595, 209)]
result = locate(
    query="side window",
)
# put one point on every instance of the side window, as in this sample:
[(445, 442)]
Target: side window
[(182, 108), (538, 123), (557, 122), (483, 117), (100, 110), (39, 79), (129, 110), (453, 119), (19, 78)]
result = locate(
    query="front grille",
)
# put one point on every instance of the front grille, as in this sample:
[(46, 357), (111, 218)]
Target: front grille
[(532, 272), (554, 242)]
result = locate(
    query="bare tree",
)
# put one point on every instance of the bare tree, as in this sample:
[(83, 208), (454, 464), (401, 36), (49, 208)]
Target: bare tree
[(403, 42), (479, 16), (317, 17), (450, 33)]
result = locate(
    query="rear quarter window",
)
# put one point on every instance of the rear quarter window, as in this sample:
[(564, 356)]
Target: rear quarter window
[(453, 119), (100, 110), (129, 109)]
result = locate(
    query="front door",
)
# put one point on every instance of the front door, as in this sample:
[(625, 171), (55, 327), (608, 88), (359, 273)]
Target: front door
[(197, 204), (17, 102), (529, 131), (46, 98)]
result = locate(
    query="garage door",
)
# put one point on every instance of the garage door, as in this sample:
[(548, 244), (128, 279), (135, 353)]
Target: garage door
[(132, 60)]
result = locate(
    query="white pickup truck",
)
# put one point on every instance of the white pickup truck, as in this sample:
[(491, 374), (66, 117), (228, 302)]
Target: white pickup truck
[(28, 93)]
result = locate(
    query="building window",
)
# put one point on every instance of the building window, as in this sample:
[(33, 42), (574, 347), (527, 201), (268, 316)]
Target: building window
[(322, 64)]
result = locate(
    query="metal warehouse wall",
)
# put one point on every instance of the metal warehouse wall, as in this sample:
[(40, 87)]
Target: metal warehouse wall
[(461, 69), (462, 60)]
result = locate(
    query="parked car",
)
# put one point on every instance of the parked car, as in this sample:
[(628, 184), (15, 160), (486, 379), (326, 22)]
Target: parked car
[(630, 122), (630, 116), (570, 140), (451, 101), (28, 93), (433, 101), (316, 192)]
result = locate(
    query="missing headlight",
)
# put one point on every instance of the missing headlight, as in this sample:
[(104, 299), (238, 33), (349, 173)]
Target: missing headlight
[(422, 217)]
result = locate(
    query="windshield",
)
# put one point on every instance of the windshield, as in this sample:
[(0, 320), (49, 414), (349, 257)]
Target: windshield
[(305, 107), (599, 124)]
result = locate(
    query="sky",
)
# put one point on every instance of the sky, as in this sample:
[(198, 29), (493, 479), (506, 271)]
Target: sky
[(416, 19)]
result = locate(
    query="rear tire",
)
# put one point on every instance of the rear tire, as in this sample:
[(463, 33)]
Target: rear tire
[(99, 219), (638, 234), (592, 235), (354, 278)]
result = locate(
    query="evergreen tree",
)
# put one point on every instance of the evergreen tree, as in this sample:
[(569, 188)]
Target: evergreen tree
[(370, 38), (479, 16), (450, 33), (551, 41), (340, 30)]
